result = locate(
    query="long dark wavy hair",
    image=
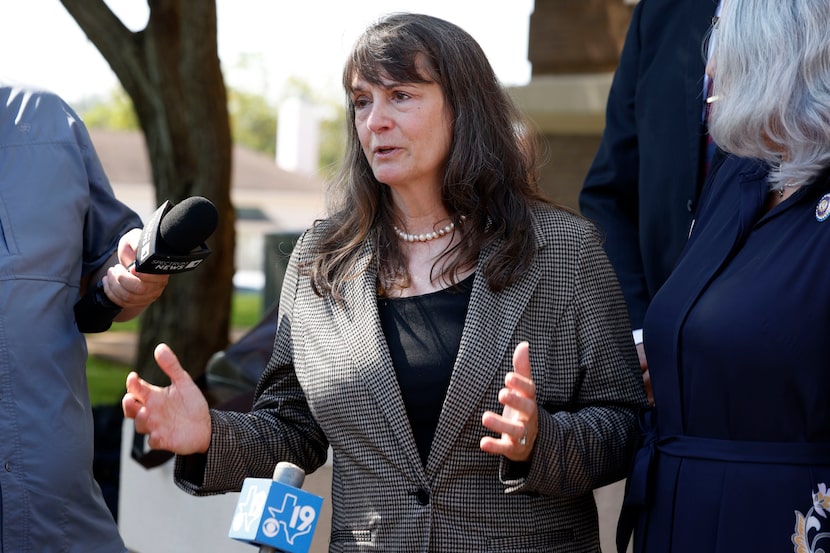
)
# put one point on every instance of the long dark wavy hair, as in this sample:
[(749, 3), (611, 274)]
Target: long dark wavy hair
[(491, 176)]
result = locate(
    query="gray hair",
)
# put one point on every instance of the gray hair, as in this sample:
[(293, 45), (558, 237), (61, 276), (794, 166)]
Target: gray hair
[(772, 77)]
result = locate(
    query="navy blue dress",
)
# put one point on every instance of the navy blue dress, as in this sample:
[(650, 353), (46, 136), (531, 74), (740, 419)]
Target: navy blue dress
[(738, 343)]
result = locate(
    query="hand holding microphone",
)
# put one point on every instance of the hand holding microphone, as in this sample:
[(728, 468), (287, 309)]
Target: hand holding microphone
[(171, 242), (126, 287)]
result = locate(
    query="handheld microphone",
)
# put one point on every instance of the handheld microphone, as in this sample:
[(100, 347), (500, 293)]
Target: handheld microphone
[(172, 242), (173, 239), (276, 514)]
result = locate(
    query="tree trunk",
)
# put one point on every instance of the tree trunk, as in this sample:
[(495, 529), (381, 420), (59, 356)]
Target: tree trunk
[(171, 71)]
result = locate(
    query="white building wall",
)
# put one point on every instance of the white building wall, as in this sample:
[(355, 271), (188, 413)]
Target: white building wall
[(298, 136)]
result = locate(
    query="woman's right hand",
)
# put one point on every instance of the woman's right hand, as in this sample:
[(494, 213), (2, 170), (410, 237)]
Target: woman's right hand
[(176, 417)]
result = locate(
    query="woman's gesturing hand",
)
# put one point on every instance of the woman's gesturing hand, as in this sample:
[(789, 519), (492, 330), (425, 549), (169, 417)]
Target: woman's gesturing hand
[(519, 421), (176, 417)]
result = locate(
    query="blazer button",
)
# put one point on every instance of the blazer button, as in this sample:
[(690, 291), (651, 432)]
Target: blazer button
[(422, 496)]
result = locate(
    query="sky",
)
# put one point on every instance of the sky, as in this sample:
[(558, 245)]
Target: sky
[(262, 43)]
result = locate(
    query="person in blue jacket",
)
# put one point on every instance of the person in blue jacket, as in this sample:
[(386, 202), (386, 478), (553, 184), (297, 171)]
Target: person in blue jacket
[(61, 231), (738, 452)]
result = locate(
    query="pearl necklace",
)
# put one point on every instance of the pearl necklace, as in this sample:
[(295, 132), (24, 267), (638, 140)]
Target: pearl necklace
[(406, 237)]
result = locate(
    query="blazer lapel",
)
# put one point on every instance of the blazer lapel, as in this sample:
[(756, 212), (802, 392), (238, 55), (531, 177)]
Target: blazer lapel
[(486, 342), (358, 322)]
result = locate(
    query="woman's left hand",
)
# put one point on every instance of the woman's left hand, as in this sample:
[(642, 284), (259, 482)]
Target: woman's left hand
[(519, 421)]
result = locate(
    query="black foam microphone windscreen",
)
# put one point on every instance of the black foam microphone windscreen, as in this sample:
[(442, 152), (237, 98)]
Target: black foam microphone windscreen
[(188, 224)]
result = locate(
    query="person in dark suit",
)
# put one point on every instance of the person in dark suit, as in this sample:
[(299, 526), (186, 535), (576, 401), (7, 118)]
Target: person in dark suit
[(738, 457), (642, 187), (460, 342)]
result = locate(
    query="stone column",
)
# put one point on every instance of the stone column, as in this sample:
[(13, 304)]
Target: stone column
[(577, 36), (574, 47)]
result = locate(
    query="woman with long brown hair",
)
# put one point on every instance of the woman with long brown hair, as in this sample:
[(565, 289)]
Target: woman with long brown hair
[(460, 342)]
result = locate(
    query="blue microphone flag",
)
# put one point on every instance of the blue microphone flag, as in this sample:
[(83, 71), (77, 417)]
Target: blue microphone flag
[(277, 515)]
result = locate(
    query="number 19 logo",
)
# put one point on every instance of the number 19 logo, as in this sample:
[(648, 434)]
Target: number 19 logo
[(299, 522)]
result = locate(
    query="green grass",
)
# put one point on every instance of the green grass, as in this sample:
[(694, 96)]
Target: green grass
[(106, 379), (246, 310)]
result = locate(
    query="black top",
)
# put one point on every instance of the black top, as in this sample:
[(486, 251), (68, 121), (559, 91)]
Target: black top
[(423, 334)]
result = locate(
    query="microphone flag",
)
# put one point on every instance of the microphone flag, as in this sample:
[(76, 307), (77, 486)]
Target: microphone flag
[(277, 515)]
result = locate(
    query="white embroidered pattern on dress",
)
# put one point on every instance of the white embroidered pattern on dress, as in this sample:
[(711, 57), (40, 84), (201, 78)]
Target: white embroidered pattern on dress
[(805, 524)]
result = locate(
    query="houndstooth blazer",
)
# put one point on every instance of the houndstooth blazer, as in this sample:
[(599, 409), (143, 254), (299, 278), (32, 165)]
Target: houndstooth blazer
[(331, 381)]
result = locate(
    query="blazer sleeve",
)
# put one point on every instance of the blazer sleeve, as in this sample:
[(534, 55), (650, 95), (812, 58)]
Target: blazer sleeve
[(588, 440), (610, 194), (280, 427)]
